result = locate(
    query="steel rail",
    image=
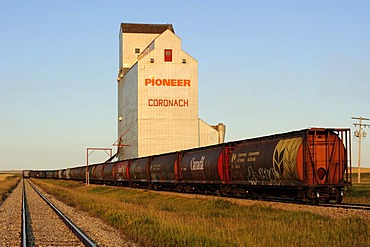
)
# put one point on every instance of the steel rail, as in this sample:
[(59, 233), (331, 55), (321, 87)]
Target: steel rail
[(353, 206), (77, 231), (24, 217)]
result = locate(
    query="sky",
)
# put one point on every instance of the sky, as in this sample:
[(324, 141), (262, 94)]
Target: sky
[(265, 67)]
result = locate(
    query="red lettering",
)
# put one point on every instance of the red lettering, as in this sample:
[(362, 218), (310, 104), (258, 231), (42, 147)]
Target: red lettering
[(168, 102), (183, 103), (186, 83), (147, 81), (168, 82)]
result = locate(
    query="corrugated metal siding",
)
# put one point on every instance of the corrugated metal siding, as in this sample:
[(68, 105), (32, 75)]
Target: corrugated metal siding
[(166, 129), (128, 109), (160, 129), (128, 43), (208, 135)]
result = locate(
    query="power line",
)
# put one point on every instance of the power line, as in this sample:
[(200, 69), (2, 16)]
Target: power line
[(360, 134)]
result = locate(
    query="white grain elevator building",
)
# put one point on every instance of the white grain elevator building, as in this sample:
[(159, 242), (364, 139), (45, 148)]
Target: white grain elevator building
[(158, 94)]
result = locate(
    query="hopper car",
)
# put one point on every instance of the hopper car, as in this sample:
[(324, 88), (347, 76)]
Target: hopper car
[(311, 164)]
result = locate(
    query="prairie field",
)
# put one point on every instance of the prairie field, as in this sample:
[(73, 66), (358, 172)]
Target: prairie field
[(4, 176), (364, 176), (362, 169), (153, 218), (359, 192), (7, 183)]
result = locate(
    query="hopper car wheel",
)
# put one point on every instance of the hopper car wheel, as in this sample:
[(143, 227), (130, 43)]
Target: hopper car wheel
[(339, 196), (224, 191), (180, 188), (314, 195), (188, 189)]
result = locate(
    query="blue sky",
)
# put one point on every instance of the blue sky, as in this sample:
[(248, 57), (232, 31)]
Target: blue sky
[(265, 67)]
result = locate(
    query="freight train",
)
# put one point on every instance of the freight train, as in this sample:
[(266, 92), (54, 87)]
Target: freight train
[(311, 165)]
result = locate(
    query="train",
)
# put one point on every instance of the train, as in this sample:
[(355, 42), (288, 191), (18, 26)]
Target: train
[(311, 165)]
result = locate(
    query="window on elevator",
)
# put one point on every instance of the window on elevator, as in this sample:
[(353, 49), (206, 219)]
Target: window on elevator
[(167, 55)]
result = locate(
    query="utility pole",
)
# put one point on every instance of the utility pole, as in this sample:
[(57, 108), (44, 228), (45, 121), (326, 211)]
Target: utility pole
[(360, 134)]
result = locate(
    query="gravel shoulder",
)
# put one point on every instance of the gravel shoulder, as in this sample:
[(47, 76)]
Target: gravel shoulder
[(11, 218)]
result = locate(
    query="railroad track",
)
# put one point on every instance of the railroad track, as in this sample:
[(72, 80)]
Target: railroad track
[(354, 206), (43, 224)]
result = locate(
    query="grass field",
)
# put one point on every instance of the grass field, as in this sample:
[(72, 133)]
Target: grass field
[(157, 219), (359, 193), (7, 183), (5, 176), (365, 176), (362, 169)]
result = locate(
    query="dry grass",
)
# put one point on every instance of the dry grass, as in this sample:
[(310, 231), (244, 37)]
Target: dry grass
[(4, 176), (155, 219), (364, 179), (360, 192), (362, 169), (7, 183)]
